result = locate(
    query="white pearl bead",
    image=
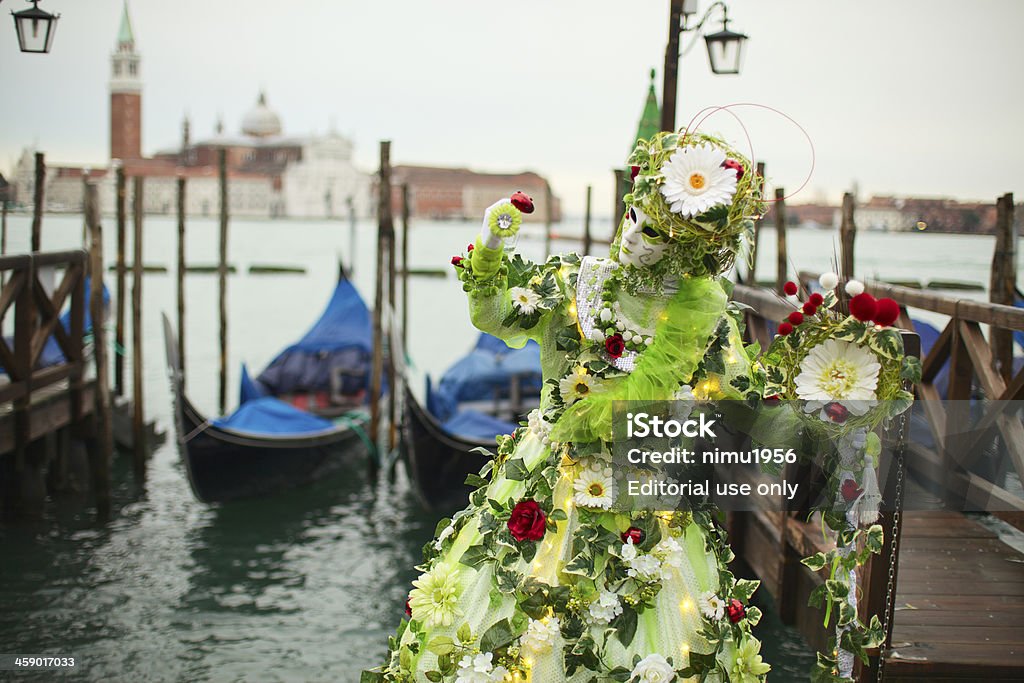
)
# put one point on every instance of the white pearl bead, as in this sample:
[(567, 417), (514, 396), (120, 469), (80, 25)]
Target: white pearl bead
[(648, 341), (619, 326), (627, 335)]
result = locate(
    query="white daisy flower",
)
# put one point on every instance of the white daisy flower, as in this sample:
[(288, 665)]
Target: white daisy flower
[(837, 370), (524, 300), (605, 608), (595, 487), (435, 598), (577, 385), (695, 180), (653, 668), (711, 606), (540, 635)]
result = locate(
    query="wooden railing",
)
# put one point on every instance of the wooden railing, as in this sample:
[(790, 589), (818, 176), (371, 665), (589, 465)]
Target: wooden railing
[(37, 319), (974, 372)]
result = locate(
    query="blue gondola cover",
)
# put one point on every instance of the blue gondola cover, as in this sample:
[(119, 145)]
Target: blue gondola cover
[(339, 342), (268, 415)]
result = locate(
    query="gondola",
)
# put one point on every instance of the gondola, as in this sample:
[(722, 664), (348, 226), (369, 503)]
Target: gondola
[(453, 438), (268, 444)]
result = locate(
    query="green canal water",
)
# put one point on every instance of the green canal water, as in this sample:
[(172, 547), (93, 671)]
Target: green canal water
[(307, 585)]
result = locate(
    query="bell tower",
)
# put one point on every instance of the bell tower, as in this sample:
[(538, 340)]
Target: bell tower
[(125, 95)]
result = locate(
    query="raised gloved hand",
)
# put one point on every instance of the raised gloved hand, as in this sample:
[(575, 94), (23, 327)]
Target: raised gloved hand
[(502, 221)]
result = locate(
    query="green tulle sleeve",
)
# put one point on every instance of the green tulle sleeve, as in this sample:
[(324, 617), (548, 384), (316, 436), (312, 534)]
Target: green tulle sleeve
[(680, 341), (516, 300)]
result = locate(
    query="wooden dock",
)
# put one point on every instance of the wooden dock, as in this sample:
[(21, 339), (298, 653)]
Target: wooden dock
[(952, 589)]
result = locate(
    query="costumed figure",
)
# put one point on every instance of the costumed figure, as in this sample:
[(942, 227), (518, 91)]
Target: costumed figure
[(543, 577)]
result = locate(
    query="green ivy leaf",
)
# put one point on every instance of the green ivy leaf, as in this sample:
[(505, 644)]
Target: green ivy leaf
[(625, 625), (497, 636), (516, 470)]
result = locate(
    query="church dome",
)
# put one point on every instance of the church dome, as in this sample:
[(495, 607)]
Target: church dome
[(261, 121)]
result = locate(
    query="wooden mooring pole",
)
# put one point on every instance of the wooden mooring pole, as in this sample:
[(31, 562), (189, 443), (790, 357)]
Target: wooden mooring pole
[(586, 224), (392, 433), (122, 229), (548, 212), (751, 278), (181, 277), (619, 209), (102, 440), (138, 414), (222, 280), (781, 260), (847, 234), (405, 267), (377, 372), (37, 202), (1003, 283)]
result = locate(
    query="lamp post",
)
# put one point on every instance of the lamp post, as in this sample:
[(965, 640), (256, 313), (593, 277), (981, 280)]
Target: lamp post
[(35, 28), (725, 50)]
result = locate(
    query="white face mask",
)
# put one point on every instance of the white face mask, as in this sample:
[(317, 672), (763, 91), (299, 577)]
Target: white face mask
[(641, 244)]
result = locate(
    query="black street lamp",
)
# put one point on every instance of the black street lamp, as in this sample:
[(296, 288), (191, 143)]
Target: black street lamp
[(35, 28), (725, 50)]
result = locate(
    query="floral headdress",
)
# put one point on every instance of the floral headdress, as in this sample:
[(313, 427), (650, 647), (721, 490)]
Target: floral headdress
[(700, 195)]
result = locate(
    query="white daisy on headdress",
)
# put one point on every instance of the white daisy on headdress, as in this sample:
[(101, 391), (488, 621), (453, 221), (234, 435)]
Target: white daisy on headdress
[(837, 370), (435, 600), (695, 180)]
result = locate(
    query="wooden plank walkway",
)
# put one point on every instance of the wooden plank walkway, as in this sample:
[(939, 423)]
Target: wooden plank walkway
[(959, 593), (959, 602)]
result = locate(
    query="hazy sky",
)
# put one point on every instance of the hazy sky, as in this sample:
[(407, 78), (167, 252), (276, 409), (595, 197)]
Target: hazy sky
[(900, 96)]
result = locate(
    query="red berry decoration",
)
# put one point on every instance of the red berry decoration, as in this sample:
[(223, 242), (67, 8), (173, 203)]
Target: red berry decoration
[(863, 307), (522, 201), (457, 261), (633, 534), (734, 165), (634, 171), (790, 288), (785, 328), (886, 313), (837, 412), (408, 608), (615, 345), (850, 490), (772, 400), (816, 299), (470, 246), (796, 317), (527, 522), (808, 308), (736, 611)]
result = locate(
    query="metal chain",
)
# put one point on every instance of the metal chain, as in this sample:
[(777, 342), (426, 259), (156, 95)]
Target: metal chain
[(897, 515)]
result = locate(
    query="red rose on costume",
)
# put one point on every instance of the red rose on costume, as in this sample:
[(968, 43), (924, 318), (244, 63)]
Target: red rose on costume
[(527, 522), (850, 490), (408, 608), (634, 171), (785, 328), (470, 246), (736, 610), (816, 299), (837, 412), (614, 345), (863, 307), (796, 317), (522, 201), (734, 165), (809, 308), (633, 534), (886, 312), (772, 400), (457, 261), (790, 288)]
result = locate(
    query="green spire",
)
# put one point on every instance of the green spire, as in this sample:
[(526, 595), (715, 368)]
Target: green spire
[(650, 120), (125, 35)]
